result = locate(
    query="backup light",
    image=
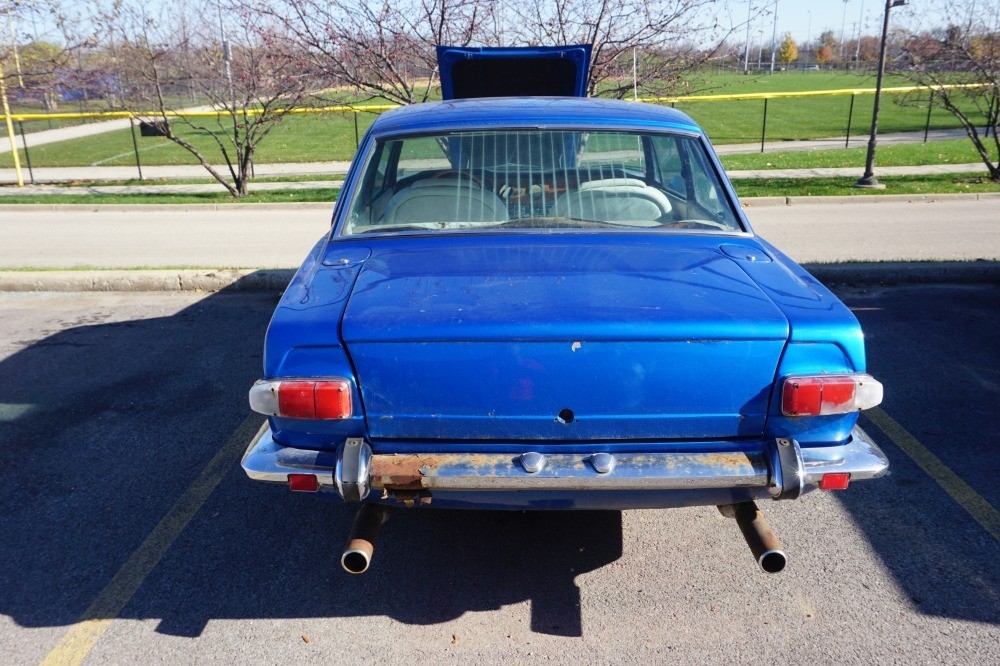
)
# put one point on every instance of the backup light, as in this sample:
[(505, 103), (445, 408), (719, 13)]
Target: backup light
[(823, 395), (302, 398)]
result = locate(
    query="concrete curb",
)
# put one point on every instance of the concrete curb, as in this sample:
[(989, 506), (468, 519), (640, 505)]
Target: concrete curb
[(146, 280), (275, 280)]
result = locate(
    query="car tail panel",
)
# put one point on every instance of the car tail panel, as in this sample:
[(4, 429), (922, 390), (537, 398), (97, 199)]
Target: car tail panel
[(570, 339)]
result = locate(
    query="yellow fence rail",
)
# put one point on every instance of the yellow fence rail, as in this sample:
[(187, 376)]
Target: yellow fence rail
[(10, 119), (378, 108)]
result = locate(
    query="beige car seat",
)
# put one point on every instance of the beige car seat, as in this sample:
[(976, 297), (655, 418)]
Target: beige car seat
[(627, 200), (451, 200)]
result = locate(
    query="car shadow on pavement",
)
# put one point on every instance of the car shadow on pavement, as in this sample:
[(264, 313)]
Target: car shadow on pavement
[(934, 347), (429, 567), (107, 420), (106, 423)]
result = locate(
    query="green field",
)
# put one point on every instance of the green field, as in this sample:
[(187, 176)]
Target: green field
[(958, 151), (807, 187), (331, 137)]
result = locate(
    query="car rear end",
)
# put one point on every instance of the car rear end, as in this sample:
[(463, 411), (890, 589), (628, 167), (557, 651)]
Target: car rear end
[(539, 346)]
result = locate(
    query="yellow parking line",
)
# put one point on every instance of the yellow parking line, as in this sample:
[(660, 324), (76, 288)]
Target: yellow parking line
[(81, 637), (974, 503)]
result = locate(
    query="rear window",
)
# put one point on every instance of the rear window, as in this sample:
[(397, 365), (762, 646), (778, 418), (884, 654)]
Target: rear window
[(540, 179)]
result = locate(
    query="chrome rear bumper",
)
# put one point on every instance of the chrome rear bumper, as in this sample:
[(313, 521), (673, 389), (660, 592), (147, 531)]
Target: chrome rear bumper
[(781, 467)]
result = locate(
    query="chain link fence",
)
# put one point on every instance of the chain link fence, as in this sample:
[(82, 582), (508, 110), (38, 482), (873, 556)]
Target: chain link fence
[(319, 143)]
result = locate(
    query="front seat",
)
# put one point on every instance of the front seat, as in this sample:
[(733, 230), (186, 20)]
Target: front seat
[(451, 200), (626, 200)]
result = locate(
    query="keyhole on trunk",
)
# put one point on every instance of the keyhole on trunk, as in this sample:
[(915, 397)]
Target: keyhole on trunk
[(565, 416)]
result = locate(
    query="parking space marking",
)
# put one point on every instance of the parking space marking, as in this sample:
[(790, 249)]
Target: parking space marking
[(975, 504), (82, 636)]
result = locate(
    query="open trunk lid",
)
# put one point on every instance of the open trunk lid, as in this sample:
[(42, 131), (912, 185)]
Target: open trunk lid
[(558, 340), (554, 71)]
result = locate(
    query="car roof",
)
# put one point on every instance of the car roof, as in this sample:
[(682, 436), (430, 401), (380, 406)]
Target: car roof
[(511, 112)]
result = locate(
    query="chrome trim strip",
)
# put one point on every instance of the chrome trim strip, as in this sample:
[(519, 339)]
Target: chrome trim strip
[(268, 461)]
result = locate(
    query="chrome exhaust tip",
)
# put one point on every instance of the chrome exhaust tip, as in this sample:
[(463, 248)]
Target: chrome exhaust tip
[(357, 555), (763, 543), (772, 561), (356, 560)]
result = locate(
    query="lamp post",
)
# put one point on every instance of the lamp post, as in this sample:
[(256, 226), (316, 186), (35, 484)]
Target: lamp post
[(774, 33), (868, 179), (746, 56), (861, 27)]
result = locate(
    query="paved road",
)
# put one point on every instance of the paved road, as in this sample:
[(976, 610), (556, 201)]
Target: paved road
[(275, 237), (114, 405)]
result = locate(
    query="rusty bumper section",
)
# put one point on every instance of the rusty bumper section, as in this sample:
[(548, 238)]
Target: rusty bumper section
[(354, 471), (480, 471)]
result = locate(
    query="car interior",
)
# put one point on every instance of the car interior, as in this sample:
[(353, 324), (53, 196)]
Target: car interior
[(534, 178)]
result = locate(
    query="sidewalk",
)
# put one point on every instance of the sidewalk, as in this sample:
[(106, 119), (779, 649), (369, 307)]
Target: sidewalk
[(200, 188), (335, 168), (825, 172), (58, 134), (847, 172), (833, 143)]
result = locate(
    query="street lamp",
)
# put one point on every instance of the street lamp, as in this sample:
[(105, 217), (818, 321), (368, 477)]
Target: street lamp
[(868, 179)]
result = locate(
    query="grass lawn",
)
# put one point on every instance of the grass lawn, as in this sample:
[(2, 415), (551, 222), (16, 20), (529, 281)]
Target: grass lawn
[(331, 137), (298, 138), (959, 151), (936, 184)]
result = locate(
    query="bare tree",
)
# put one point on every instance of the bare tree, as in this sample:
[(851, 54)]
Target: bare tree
[(967, 54), (385, 48), (672, 38), (251, 82), (378, 48)]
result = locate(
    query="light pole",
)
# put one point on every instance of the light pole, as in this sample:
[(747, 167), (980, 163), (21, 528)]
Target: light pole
[(774, 33), (868, 179), (843, 25), (746, 56), (227, 56), (861, 24), (809, 33)]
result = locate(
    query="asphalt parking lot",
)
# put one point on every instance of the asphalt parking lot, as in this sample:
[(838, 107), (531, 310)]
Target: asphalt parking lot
[(122, 417)]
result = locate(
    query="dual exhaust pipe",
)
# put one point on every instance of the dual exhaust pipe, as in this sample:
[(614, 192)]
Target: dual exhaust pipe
[(763, 543)]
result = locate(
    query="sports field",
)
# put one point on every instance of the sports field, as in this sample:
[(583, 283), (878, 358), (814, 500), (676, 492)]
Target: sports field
[(331, 136)]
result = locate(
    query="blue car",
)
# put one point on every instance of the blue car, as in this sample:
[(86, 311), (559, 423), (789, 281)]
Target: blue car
[(554, 302)]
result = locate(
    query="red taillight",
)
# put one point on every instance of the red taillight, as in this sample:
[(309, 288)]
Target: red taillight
[(297, 400), (829, 394), (835, 481), (333, 400), (302, 398), (303, 483)]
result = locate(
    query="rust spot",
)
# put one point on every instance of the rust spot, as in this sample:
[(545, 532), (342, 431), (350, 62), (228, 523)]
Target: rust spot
[(408, 498), (725, 459), (398, 471), (409, 471)]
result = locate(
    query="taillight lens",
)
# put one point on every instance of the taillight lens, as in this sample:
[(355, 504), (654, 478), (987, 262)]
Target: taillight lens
[(302, 398), (829, 394)]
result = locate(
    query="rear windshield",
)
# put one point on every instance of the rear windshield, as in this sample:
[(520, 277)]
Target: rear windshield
[(539, 179)]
